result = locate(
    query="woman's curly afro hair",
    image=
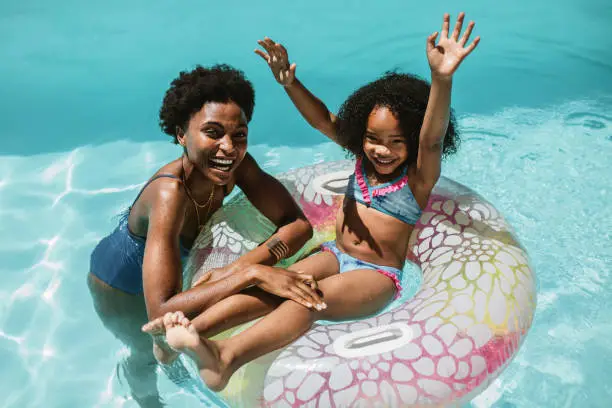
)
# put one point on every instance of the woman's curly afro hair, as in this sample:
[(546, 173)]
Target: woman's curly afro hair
[(406, 96), (191, 90)]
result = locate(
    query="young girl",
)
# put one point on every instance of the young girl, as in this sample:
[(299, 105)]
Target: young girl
[(398, 127)]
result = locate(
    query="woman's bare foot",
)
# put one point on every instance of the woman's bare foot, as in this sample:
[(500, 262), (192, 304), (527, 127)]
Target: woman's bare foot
[(206, 354), (157, 329)]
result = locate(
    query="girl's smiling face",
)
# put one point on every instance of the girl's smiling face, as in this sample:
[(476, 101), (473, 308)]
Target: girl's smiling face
[(384, 144)]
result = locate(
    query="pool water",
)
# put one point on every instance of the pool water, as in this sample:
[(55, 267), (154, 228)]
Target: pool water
[(81, 85)]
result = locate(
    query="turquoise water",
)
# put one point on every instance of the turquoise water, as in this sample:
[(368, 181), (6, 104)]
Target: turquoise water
[(81, 85)]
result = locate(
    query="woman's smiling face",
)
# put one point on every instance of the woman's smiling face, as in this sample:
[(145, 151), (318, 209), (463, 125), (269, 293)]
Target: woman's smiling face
[(216, 140)]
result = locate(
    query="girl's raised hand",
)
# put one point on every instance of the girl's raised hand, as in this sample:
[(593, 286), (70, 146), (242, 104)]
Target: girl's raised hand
[(278, 61), (446, 56)]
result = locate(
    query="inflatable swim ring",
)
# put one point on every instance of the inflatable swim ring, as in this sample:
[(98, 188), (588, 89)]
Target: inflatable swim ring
[(439, 348)]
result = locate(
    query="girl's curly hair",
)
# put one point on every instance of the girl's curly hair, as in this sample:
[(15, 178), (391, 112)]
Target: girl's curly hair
[(406, 96)]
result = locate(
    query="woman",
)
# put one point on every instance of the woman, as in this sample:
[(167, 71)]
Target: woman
[(136, 271)]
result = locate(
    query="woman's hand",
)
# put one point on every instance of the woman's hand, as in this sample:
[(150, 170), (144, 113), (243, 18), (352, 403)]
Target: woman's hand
[(216, 274), (277, 60), (299, 287), (445, 57)]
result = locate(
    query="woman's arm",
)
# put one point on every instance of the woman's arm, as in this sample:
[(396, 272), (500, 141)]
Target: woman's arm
[(444, 59), (273, 200), (312, 108), (162, 269)]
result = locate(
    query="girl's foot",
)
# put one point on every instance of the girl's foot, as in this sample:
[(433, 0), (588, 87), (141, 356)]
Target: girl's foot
[(183, 337), (157, 329)]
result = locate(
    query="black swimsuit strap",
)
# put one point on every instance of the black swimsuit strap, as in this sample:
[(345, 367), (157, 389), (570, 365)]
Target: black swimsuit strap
[(152, 180)]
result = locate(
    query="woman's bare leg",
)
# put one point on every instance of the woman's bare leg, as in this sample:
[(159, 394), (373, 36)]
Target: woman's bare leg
[(348, 295), (122, 315)]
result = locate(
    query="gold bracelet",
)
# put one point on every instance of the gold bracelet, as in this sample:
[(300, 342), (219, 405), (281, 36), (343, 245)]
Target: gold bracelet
[(277, 248)]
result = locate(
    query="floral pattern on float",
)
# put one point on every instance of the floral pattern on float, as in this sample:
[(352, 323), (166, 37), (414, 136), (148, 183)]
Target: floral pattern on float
[(443, 346)]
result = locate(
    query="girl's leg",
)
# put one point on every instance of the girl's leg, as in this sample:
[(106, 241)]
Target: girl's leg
[(348, 295), (123, 315), (249, 304), (254, 302)]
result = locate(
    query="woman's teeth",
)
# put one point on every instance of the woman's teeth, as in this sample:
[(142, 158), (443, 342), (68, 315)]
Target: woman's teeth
[(221, 164)]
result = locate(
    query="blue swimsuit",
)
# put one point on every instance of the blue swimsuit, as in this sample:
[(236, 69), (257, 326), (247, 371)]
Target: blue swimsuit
[(395, 199), (117, 259)]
